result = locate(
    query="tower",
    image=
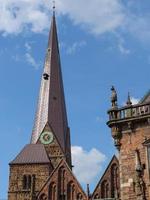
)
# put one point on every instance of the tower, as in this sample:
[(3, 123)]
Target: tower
[(43, 169), (51, 125), (130, 128)]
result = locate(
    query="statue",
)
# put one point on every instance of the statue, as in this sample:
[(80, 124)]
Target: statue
[(113, 97)]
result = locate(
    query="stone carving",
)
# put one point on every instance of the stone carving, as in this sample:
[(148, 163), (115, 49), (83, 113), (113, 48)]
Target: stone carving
[(113, 97), (138, 182)]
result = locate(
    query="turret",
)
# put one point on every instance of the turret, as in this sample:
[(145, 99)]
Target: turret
[(130, 129)]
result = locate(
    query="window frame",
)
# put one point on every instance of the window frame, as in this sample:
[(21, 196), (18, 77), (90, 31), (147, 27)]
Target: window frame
[(147, 148)]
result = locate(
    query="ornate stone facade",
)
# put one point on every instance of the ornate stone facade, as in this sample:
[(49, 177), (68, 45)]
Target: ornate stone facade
[(130, 126)]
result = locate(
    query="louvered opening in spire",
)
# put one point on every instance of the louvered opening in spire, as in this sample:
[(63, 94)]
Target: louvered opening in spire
[(51, 103)]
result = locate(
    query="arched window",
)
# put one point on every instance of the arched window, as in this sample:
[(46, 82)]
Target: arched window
[(79, 196), (114, 181), (105, 189), (52, 191), (43, 197), (26, 182), (96, 196), (29, 182), (61, 183), (71, 193)]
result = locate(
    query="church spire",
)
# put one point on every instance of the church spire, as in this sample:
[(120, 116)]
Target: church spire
[(51, 108)]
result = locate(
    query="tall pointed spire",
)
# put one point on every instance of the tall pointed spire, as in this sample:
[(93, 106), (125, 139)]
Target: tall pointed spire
[(54, 7), (51, 103)]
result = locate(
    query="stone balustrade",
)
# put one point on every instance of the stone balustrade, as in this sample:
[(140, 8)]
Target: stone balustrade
[(127, 112)]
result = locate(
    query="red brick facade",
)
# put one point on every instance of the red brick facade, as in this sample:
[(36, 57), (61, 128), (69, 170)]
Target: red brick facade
[(62, 185), (43, 169), (109, 186), (130, 128)]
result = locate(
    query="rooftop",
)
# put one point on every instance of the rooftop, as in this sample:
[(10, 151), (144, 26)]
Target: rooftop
[(32, 154)]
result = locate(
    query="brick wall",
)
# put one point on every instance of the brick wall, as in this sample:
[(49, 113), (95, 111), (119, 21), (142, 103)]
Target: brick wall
[(16, 191)]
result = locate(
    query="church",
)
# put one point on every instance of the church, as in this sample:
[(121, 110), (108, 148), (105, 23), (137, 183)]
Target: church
[(43, 168)]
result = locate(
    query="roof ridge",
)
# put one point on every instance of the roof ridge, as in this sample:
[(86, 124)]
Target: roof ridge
[(144, 97), (31, 154)]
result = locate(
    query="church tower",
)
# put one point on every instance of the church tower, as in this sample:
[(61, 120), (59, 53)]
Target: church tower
[(43, 169), (130, 127), (51, 125)]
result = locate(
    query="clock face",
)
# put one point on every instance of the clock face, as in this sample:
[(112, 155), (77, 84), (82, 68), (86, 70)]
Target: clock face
[(46, 137)]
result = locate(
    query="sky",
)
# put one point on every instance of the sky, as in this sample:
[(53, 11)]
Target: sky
[(102, 43)]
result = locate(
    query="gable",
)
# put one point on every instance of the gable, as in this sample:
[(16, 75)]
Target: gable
[(106, 178), (146, 98), (62, 179), (53, 149)]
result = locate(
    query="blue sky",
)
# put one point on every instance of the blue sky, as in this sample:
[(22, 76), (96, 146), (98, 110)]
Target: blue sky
[(102, 43)]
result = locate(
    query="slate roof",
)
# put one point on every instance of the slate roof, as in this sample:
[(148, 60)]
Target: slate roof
[(32, 154), (51, 107)]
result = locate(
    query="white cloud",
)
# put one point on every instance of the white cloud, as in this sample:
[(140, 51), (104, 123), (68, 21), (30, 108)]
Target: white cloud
[(121, 45), (87, 163), (134, 100), (75, 47), (28, 56), (28, 46), (96, 16), (139, 27), (31, 60), (123, 50), (15, 15)]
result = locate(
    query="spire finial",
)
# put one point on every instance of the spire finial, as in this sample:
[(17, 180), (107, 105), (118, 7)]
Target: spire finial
[(129, 102), (54, 7)]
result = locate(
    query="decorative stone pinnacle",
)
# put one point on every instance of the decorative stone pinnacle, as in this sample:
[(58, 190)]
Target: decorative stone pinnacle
[(129, 102)]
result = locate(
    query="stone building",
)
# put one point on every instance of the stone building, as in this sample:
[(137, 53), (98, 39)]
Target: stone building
[(130, 127), (109, 186), (43, 169)]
